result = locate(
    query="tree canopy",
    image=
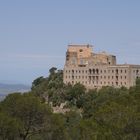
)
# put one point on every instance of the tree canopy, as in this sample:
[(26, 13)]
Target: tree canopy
[(106, 114)]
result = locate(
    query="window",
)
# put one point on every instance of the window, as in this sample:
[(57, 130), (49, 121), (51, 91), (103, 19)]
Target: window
[(90, 71), (89, 77), (97, 77), (72, 71), (81, 61), (73, 61), (93, 71), (97, 71), (117, 71)]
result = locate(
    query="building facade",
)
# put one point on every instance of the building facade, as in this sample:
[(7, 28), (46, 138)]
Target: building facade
[(95, 70)]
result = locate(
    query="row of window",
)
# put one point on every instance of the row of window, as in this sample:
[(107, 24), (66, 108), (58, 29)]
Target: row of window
[(112, 77), (81, 82), (113, 71), (108, 83), (101, 83), (76, 77), (76, 71), (97, 77), (96, 71)]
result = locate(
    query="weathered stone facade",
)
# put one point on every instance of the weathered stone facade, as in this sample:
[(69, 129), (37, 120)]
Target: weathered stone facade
[(95, 70)]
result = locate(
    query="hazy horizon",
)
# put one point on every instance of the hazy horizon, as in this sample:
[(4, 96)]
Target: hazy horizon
[(34, 34)]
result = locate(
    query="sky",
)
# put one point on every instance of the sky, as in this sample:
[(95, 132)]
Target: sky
[(34, 34)]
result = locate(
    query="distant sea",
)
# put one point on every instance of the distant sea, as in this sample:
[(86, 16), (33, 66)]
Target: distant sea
[(2, 96), (6, 89)]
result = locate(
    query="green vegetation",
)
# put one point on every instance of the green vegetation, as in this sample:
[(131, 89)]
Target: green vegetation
[(106, 114)]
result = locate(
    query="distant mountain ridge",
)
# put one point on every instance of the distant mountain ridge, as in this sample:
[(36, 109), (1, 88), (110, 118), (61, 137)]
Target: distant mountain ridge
[(9, 88)]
